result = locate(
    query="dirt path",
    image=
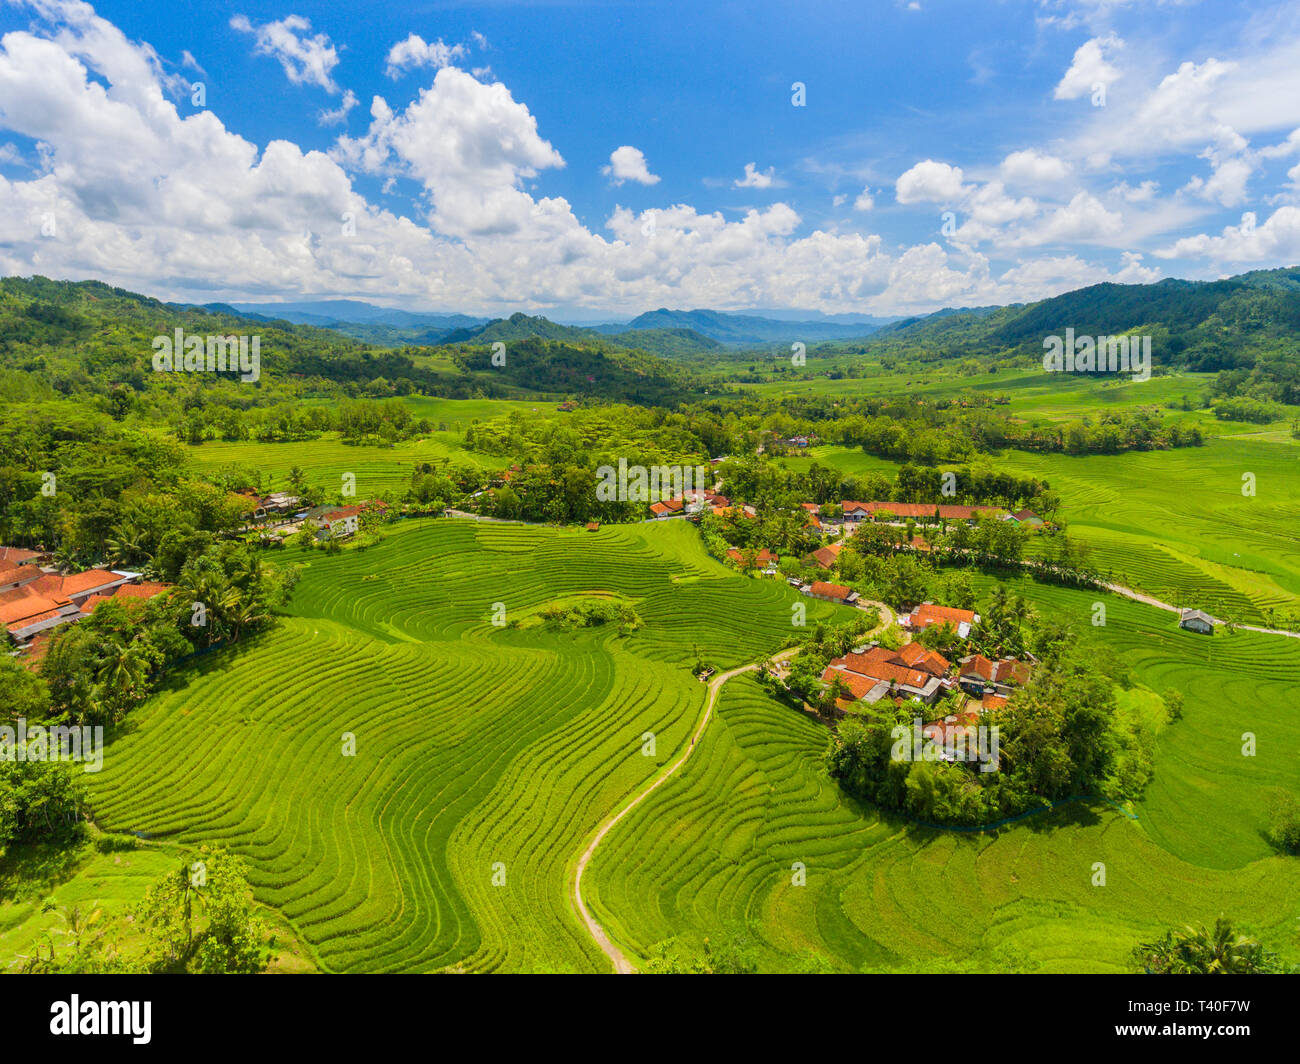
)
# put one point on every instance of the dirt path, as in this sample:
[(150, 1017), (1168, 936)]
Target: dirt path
[(621, 964)]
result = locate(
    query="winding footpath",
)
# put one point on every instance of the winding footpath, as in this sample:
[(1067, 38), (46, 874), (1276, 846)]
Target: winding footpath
[(617, 957)]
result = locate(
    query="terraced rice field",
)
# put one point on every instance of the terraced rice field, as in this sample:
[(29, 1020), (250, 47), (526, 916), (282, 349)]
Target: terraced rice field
[(481, 752), (1175, 524), (713, 848)]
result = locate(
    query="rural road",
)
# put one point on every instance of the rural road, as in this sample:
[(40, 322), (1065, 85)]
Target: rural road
[(621, 964)]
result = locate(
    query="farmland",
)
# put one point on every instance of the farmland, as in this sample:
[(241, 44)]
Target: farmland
[(1174, 524), (485, 752), (713, 848), (479, 750)]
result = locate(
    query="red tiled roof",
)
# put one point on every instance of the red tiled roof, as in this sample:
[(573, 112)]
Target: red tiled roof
[(946, 511), (19, 613), (17, 555), (993, 702), (811, 507), (763, 557), (877, 666), (126, 591), (826, 556), (827, 590), (80, 583), (918, 657), (858, 685), (341, 513), (928, 613), (979, 665)]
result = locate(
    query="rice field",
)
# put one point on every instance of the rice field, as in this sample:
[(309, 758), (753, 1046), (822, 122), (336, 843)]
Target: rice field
[(1174, 524), (714, 848), (484, 758), (483, 755)]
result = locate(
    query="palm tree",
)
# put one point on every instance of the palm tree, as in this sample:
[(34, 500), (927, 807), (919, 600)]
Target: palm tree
[(1201, 951)]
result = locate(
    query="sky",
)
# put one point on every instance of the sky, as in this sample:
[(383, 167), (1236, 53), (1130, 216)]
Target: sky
[(599, 159)]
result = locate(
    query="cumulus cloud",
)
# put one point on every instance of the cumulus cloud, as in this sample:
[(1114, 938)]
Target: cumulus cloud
[(1278, 239), (929, 182), (1033, 168), (305, 60), (416, 52), (865, 201), (340, 113), (1091, 67), (755, 178), (182, 207), (628, 164)]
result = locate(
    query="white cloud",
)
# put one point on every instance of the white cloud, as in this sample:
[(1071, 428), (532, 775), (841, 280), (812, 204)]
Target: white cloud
[(755, 178), (1227, 181), (306, 60), (1278, 239), (1033, 168), (416, 52), (1091, 67), (340, 113), (471, 145), (628, 164), (865, 201), (929, 182), (184, 208), (1141, 193)]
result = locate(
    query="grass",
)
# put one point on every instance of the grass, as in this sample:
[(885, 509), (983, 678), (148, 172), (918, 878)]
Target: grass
[(713, 848), (477, 748)]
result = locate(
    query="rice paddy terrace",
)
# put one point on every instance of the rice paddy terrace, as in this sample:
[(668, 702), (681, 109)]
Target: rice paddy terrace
[(715, 846), (483, 755)]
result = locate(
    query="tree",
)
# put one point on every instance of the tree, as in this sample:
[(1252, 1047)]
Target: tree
[(1202, 951), (1283, 810), (200, 918)]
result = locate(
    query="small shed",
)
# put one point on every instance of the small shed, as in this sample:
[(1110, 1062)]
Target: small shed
[(1196, 621)]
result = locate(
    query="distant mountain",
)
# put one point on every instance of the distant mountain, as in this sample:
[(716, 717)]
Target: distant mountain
[(352, 311), (745, 329)]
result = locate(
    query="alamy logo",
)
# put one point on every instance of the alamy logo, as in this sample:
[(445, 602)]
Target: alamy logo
[(208, 354), (1100, 354), (56, 743), (648, 483), (102, 1017)]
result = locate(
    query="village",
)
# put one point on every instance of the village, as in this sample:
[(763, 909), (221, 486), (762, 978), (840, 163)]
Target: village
[(36, 597)]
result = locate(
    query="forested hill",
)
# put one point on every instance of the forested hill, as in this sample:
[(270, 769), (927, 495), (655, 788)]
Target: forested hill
[(1249, 323), (65, 338)]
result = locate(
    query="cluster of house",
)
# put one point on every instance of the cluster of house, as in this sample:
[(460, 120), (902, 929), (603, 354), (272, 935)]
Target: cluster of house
[(913, 672), (853, 513), (261, 507), (35, 598), (696, 504)]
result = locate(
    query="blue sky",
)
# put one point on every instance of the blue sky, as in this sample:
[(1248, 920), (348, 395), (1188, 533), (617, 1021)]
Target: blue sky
[(596, 159)]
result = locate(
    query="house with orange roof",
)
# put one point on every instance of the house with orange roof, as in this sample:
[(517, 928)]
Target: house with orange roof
[(978, 675), (928, 614), (127, 592), (821, 589), (876, 666), (826, 557), (335, 522), (667, 508), (762, 559)]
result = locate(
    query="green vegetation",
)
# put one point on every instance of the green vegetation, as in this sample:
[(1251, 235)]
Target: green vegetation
[(1202, 951)]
